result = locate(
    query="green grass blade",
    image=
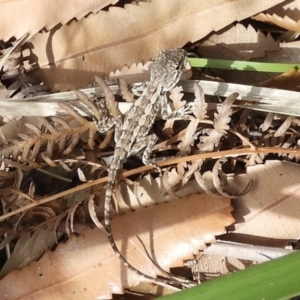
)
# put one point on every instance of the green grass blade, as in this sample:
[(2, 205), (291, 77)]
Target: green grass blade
[(273, 280), (241, 65)]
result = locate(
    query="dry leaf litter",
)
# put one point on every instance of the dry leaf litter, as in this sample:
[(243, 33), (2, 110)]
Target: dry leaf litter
[(53, 168)]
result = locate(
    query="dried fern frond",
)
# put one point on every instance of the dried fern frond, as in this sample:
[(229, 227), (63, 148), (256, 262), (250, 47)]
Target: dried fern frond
[(18, 83), (222, 118), (41, 221), (54, 137), (24, 86)]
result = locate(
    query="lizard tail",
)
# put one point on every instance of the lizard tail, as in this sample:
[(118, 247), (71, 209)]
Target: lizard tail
[(107, 204)]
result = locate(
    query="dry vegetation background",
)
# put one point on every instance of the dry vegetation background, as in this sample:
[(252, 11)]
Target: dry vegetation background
[(235, 177)]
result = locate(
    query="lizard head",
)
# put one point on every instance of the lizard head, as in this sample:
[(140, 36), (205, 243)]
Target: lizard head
[(167, 68)]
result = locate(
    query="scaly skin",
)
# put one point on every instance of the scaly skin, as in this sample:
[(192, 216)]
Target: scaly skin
[(133, 135)]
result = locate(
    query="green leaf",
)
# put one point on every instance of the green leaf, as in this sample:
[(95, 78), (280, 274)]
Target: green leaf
[(241, 65), (275, 279)]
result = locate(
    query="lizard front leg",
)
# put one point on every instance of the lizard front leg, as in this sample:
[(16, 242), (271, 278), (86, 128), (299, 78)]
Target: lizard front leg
[(109, 108), (106, 122), (183, 113)]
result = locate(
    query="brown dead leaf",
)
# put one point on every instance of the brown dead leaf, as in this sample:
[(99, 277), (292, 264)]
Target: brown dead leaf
[(289, 80), (66, 63), (200, 108), (221, 120), (238, 42), (87, 268), (288, 53), (212, 266), (284, 126), (149, 191), (135, 73), (271, 208), (13, 127), (9, 53), (188, 138), (267, 122), (287, 5), (176, 96), (30, 247), (139, 72), (17, 16), (288, 8), (285, 22)]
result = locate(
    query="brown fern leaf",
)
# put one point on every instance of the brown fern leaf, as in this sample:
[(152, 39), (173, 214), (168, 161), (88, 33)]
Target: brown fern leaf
[(222, 118), (55, 136), (18, 83), (45, 222)]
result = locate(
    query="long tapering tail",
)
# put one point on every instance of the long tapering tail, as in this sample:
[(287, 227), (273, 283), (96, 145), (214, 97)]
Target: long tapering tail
[(107, 205)]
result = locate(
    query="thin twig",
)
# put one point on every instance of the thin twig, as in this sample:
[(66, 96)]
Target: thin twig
[(226, 153)]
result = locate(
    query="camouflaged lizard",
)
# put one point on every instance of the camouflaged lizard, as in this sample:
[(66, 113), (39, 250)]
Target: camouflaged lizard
[(131, 133)]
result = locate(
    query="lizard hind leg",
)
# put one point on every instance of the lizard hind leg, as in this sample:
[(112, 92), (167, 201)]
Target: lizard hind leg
[(182, 113), (148, 142)]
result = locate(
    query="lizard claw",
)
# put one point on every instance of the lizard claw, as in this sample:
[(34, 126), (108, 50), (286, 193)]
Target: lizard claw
[(154, 165), (158, 169), (187, 109), (184, 112)]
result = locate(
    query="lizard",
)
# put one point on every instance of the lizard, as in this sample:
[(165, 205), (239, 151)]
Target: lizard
[(131, 132)]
